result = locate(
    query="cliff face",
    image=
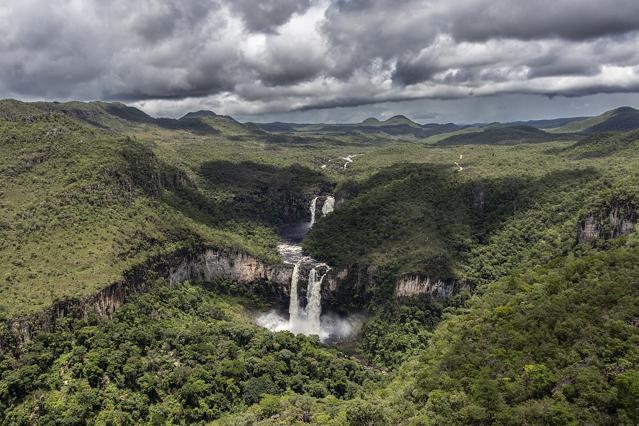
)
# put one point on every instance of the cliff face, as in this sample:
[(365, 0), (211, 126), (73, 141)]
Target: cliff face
[(615, 220), (416, 285), (236, 266), (200, 265)]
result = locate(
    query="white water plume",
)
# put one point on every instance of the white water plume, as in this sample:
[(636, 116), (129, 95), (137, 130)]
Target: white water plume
[(293, 308), (332, 327), (313, 207), (313, 308), (308, 319)]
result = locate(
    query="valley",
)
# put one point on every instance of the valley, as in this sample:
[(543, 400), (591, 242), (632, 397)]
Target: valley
[(200, 269)]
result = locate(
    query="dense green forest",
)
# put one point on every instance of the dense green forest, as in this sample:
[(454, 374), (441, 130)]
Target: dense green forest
[(172, 355), (537, 233)]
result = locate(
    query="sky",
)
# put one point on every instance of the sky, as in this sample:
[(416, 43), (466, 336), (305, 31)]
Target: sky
[(327, 60)]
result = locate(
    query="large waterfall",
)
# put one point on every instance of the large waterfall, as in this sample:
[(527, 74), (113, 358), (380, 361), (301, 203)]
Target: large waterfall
[(307, 319), (293, 306), (314, 297)]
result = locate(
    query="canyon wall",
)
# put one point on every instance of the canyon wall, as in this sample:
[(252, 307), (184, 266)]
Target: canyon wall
[(617, 219), (200, 264), (418, 285)]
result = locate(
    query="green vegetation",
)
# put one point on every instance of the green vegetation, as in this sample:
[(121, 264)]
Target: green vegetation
[(86, 195), (80, 207), (549, 334), (619, 119), (174, 355), (557, 344), (500, 135)]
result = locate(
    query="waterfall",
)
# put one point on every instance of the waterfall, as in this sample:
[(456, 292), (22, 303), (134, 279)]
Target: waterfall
[(313, 208), (293, 306), (303, 320), (306, 321), (329, 205), (314, 304)]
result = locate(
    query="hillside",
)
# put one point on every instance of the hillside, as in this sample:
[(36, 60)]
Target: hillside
[(84, 200), (398, 126), (493, 281), (547, 123), (616, 120), (499, 135)]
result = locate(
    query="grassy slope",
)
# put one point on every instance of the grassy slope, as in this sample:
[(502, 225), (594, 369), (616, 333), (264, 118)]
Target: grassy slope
[(81, 205), (619, 119), (90, 189), (499, 135), (425, 217)]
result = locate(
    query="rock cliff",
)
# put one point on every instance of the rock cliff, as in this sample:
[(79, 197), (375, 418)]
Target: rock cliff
[(614, 220), (417, 285)]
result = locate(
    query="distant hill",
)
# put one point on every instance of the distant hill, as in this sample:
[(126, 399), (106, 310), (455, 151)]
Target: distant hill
[(198, 114), (500, 135), (547, 123), (605, 144), (400, 120), (118, 117), (616, 120), (396, 126)]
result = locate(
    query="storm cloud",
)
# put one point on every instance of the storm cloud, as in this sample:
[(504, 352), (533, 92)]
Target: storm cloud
[(277, 56)]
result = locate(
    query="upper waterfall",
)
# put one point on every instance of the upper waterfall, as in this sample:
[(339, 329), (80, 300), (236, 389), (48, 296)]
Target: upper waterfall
[(313, 207), (306, 318), (328, 206)]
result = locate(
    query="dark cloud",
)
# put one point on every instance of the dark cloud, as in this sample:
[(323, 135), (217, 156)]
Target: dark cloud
[(273, 56), (267, 15), (529, 20)]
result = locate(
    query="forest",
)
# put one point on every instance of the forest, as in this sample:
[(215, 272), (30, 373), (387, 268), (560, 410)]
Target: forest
[(534, 242)]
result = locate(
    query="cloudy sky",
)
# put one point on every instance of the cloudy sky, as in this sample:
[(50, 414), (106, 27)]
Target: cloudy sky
[(327, 60)]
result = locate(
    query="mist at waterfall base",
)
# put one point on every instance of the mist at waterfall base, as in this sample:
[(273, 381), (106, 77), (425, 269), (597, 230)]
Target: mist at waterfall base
[(308, 320), (333, 328)]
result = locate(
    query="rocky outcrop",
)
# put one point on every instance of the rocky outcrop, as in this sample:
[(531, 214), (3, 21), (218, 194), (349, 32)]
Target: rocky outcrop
[(417, 285), (614, 220), (198, 264), (244, 269), (352, 286)]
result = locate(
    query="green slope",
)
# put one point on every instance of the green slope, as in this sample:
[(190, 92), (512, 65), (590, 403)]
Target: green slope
[(619, 119), (499, 135), (83, 201), (556, 345), (175, 355), (549, 337)]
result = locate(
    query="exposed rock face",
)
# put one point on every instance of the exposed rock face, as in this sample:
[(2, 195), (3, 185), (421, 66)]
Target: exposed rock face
[(18, 331), (349, 286), (416, 285), (616, 220), (237, 266), (352, 286)]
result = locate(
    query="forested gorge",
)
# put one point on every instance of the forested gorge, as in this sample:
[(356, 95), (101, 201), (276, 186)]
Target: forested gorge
[(175, 354), (536, 241)]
